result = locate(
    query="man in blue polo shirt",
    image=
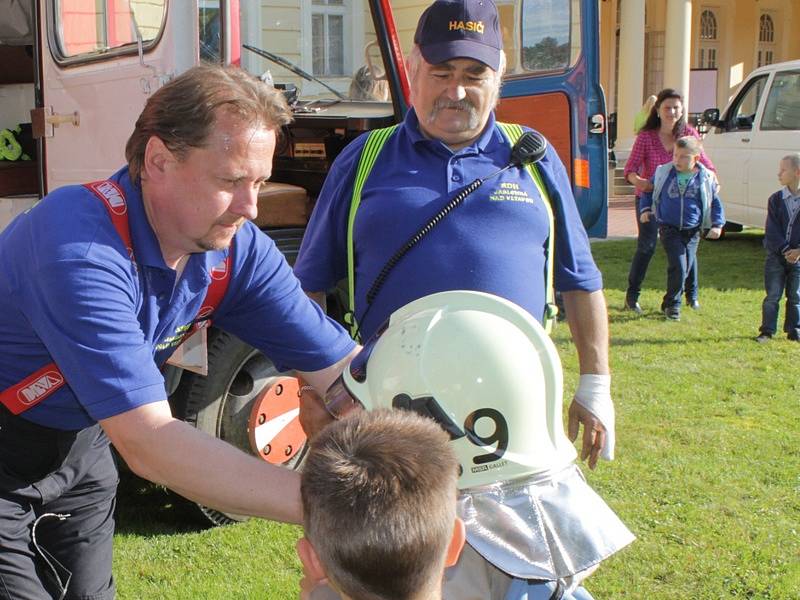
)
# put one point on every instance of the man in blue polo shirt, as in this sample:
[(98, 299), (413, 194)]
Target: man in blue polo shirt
[(494, 241), (98, 285)]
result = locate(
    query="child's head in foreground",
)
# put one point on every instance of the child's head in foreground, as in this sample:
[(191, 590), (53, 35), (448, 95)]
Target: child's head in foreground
[(379, 500), (686, 153)]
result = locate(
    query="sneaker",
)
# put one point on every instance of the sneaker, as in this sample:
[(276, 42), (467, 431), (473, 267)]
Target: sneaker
[(634, 306), (763, 338), (694, 304), (673, 314)]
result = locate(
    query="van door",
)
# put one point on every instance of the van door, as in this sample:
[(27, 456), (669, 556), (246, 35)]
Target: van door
[(730, 148), (552, 84), (100, 62), (776, 134)]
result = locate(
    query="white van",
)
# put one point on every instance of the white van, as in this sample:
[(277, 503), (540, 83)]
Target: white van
[(760, 126)]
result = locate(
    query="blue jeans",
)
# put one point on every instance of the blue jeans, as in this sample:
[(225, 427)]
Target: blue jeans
[(681, 248), (780, 276), (645, 248)]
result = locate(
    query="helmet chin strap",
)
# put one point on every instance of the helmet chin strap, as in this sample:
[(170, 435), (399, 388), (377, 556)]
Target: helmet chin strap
[(427, 406)]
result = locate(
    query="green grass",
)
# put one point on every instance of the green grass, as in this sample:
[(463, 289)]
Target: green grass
[(707, 473)]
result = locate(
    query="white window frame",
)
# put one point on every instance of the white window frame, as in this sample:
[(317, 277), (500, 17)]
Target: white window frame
[(764, 47), (708, 45), (353, 36)]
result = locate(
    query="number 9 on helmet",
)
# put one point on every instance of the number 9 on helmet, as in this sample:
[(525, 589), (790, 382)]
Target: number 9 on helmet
[(487, 372), (484, 369)]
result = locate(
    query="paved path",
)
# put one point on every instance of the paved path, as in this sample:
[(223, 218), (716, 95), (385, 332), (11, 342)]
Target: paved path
[(621, 217)]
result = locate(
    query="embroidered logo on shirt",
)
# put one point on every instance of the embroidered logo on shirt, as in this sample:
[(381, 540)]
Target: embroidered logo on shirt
[(510, 192), (175, 339), (40, 388)]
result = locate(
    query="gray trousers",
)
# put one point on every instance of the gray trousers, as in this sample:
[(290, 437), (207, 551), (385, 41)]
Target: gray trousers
[(45, 473)]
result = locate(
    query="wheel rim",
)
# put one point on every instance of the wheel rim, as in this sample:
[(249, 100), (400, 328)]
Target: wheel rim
[(274, 427), (261, 409)]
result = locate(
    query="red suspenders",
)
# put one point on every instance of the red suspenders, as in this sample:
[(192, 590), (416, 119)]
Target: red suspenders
[(39, 385)]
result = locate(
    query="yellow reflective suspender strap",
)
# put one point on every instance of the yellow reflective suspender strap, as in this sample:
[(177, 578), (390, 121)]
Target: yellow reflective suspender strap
[(513, 133), (369, 154)]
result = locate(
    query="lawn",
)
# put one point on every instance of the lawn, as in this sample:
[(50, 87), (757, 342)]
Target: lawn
[(707, 473)]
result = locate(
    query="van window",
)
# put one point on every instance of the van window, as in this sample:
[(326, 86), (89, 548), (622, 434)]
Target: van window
[(783, 102), (91, 28), (210, 27), (551, 39), (742, 113)]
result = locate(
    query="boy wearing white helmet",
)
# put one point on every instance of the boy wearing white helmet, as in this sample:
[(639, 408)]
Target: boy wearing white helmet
[(487, 372)]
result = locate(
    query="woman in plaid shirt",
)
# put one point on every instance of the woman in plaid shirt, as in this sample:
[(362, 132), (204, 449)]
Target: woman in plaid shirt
[(652, 148)]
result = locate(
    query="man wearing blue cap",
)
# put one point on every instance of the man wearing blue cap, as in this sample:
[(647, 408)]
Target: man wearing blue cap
[(495, 241)]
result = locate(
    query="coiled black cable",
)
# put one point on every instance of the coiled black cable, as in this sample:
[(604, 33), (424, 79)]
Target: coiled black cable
[(530, 148), (414, 239)]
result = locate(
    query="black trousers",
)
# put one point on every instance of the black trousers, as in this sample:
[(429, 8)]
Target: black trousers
[(45, 475)]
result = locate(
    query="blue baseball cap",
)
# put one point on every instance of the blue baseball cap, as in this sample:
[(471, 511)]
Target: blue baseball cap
[(451, 29)]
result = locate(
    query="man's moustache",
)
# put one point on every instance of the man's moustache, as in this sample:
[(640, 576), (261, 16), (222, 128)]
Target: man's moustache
[(457, 105)]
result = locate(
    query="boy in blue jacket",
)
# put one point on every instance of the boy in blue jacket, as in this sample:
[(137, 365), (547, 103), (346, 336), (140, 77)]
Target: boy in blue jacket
[(782, 242), (684, 200)]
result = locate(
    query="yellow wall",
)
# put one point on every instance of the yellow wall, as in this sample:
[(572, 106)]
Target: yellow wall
[(406, 15), (738, 30), (608, 36), (280, 30)]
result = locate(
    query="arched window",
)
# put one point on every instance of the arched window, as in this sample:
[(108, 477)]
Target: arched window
[(708, 25), (766, 29), (765, 54), (707, 48)]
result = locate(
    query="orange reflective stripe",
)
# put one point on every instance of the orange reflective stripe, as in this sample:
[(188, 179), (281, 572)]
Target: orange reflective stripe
[(581, 171), (39, 385)]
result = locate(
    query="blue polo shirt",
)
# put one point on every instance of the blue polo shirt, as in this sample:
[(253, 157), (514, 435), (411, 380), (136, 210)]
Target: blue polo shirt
[(494, 242), (70, 293)]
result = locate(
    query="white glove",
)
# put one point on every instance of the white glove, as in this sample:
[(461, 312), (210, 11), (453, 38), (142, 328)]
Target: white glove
[(594, 394)]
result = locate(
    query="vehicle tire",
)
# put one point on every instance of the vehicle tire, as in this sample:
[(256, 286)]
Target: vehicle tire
[(223, 404)]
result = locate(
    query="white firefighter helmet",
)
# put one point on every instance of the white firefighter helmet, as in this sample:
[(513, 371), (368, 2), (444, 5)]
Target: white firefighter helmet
[(487, 372), (484, 369)]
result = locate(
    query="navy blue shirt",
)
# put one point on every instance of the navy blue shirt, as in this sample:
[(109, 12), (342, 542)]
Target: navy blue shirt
[(70, 293), (781, 232), (494, 242)]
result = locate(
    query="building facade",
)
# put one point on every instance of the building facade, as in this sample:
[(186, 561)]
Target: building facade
[(704, 48)]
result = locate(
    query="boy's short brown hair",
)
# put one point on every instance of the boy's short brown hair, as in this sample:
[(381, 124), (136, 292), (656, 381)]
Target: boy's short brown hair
[(379, 500), (690, 143), (183, 112)]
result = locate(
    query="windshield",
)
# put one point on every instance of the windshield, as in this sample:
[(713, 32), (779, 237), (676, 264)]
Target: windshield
[(326, 49)]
